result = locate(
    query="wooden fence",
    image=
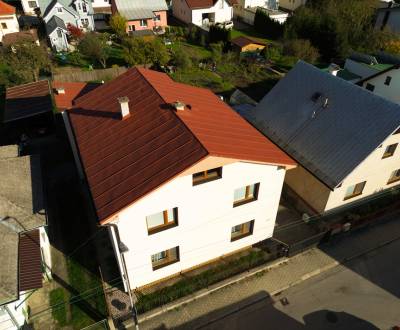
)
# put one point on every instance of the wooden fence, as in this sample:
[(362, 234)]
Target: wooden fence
[(94, 75)]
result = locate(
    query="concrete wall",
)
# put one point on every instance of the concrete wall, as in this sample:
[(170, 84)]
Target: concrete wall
[(391, 91), (291, 4), (205, 215), (11, 23), (310, 189), (150, 22)]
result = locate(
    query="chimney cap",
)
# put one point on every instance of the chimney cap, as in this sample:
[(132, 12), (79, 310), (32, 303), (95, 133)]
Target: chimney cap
[(60, 90), (123, 99), (178, 105)]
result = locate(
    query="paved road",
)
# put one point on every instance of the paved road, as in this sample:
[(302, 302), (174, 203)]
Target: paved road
[(362, 294)]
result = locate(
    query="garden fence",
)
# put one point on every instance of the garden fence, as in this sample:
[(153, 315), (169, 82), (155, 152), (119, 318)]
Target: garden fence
[(93, 75)]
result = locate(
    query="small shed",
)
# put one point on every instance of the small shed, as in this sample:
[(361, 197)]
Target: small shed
[(246, 44)]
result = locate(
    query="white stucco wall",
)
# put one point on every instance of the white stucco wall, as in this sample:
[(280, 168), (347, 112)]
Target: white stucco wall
[(101, 4), (27, 9), (391, 91), (12, 315), (45, 250), (374, 170), (223, 13), (205, 216), (59, 44), (12, 25)]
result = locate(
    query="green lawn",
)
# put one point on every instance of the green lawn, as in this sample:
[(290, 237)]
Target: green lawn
[(194, 51), (58, 300), (249, 32)]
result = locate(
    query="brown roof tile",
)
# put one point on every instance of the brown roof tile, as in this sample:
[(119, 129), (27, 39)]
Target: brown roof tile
[(30, 261), (244, 41), (6, 9), (126, 159)]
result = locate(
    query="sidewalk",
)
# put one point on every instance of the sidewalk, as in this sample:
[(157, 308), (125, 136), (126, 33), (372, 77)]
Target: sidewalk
[(270, 279)]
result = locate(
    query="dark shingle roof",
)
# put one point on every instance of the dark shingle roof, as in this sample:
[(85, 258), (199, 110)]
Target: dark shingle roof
[(54, 23), (330, 142)]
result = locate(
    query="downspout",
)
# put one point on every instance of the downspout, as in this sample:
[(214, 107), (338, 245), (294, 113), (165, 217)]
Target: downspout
[(125, 276)]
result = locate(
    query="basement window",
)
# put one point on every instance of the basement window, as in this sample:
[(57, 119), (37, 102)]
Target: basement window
[(370, 87), (165, 258), (395, 176), (389, 151), (162, 220), (242, 230), (354, 190), (388, 80), (207, 176)]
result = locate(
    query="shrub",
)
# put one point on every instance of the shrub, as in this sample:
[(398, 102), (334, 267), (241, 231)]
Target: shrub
[(217, 34), (118, 24), (181, 59), (301, 49), (266, 25)]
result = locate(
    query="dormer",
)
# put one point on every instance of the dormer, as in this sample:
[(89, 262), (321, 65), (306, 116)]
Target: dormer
[(81, 6)]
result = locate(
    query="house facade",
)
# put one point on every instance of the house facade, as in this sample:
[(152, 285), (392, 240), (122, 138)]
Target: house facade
[(142, 15), (57, 15), (30, 6), (203, 13), (246, 10), (175, 195), (8, 20), (343, 137)]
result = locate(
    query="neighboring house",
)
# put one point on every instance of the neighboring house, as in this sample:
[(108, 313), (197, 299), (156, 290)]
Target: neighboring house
[(175, 174), (246, 10), (30, 7), (345, 74), (203, 13), (291, 4), (246, 44), (389, 18), (29, 36), (343, 137), (24, 245), (8, 20), (142, 14), (101, 13), (58, 14)]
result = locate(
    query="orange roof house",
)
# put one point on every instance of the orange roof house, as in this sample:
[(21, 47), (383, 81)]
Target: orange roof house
[(6, 9), (246, 44), (125, 158)]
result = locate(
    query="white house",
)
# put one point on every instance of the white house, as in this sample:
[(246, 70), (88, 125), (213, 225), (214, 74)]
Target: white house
[(203, 12), (30, 6), (78, 13), (24, 245), (179, 178), (343, 137), (8, 20), (245, 10)]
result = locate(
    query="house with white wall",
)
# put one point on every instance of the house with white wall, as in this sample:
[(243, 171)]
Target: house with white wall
[(203, 13), (8, 20), (343, 137), (24, 245), (57, 15), (176, 175), (245, 10)]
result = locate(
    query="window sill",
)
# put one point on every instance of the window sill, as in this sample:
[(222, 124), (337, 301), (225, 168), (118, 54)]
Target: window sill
[(240, 236), (393, 181), (161, 228), (351, 196), (387, 156), (165, 264), (245, 201)]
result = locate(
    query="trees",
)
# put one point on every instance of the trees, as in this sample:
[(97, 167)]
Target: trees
[(75, 32), (181, 59), (23, 63), (266, 25), (118, 24), (95, 46), (301, 49), (138, 51)]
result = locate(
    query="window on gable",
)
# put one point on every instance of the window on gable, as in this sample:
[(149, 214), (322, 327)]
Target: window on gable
[(162, 220), (59, 34), (242, 230), (59, 9), (388, 80), (370, 87), (354, 190), (245, 194), (165, 258), (394, 176), (4, 25), (206, 176), (84, 8), (32, 4), (389, 151)]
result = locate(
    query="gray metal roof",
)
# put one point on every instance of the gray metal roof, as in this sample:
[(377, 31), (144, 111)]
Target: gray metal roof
[(21, 210), (328, 141), (139, 9), (54, 23)]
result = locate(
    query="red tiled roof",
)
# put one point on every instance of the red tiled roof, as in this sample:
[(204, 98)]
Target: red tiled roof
[(6, 9), (126, 159), (27, 100), (30, 261), (73, 90), (244, 41)]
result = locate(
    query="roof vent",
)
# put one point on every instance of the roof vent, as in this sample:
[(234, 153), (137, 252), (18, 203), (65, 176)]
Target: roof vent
[(60, 90), (325, 102), (178, 105), (333, 69), (124, 104)]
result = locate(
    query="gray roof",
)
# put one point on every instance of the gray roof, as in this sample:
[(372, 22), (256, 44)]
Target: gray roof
[(328, 141), (54, 23), (139, 9), (21, 210), (46, 5)]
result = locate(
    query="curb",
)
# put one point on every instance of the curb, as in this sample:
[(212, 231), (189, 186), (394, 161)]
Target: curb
[(216, 287)]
